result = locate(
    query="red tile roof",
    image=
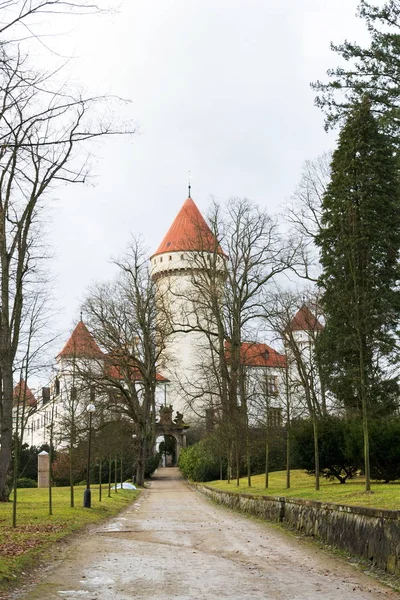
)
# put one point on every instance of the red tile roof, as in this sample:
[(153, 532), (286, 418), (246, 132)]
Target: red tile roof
[(304, 320), (81, 344), (113, 370), (23, 393), (189, 231), (254, 354)]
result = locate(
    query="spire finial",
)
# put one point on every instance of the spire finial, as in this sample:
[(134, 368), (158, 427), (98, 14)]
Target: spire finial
[(81, 315), (189, 186)]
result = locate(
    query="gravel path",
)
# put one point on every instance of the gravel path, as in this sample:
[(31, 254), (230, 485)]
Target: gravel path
[(175, 544)]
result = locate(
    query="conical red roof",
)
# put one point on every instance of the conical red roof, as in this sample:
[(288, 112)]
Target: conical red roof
[(23, 394), (81, 344), (189, 231), (304, 320)]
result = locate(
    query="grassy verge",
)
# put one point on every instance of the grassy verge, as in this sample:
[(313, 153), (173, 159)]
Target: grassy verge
[(302, 486), (36, 530)]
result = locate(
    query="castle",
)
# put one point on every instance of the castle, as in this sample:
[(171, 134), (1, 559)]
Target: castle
[(188, 244)]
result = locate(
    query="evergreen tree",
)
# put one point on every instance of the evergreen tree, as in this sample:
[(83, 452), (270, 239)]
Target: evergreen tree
[(360, 246), (373, 70)]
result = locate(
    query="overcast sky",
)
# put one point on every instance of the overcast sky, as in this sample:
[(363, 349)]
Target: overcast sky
[(218, 87)]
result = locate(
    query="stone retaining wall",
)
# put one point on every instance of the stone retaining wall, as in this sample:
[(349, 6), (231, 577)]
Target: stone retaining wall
[(371, 533)]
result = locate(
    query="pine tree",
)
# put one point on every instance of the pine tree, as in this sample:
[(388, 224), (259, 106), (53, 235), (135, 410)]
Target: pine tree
[(360, 246), (373, 70)]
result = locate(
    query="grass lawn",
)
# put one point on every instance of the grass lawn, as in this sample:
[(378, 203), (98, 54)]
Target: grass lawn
[(384, 495), (37, 530)]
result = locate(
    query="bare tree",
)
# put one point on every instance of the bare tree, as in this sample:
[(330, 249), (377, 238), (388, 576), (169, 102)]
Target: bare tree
[(18, 16), (226, 301), (303, 212), (34, 343), (122, 316), (41, 135), (299, 329)]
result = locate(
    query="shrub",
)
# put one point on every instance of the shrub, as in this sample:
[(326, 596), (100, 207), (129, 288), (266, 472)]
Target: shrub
[(151, 465), (385, 449), (26, 482), (198, 462), (339, 443)]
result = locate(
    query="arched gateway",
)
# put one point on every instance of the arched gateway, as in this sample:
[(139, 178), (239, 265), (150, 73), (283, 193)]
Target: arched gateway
[(173, 428)]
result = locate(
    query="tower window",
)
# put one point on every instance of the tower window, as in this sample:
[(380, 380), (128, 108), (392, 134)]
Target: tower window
[(161, 259), (182, 256), (170, 257)]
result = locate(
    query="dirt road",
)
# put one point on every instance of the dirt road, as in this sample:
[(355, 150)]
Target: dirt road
[(174, 544)]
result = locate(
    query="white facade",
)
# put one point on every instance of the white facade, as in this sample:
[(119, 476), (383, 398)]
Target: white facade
[(67, 397), (187, 349)]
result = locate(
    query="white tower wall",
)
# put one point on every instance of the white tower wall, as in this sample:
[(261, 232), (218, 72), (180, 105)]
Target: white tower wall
[(187, 350)]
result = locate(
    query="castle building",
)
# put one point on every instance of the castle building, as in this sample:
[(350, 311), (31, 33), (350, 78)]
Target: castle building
[(176, 268), (180, 262), (66, 398)]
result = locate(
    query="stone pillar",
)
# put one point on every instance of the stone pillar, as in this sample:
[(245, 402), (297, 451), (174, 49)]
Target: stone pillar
[(43, 469)]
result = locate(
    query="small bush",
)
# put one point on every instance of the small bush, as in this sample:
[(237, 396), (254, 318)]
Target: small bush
[(151, 465), (198, 462), (26, 482)]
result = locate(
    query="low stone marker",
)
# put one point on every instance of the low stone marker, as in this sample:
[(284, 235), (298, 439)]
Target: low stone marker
[(43, 469)]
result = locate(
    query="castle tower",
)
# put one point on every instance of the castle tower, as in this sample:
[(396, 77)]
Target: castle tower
[(305, 327), (180, 260)]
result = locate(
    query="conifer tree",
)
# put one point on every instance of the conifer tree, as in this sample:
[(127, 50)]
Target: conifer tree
[(373, 70), (360, 245)]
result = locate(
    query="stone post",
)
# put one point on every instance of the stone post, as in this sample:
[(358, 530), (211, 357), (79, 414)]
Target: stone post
[(43, 469)]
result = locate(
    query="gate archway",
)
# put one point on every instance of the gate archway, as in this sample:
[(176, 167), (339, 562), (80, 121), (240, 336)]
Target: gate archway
[(169, 429)]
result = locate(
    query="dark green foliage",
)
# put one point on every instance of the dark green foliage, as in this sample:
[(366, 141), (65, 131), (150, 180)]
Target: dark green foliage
[(385, 449), (198, 462), (359, 248), (277, 449), (26, 482), (151, 465), (28, 461), (168, 447), (339, 444), (373, 71), (203, 461)]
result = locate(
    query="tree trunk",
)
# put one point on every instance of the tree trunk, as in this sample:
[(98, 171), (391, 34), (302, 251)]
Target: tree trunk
[(248, 454), (229, 464), (365, 423), (237, 464), (109, 476), (100, 479), (316, 451), (287, 428), (16, 469), (71, 478), (141, 463), (6, 432), (267, 459), (288, 457)]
